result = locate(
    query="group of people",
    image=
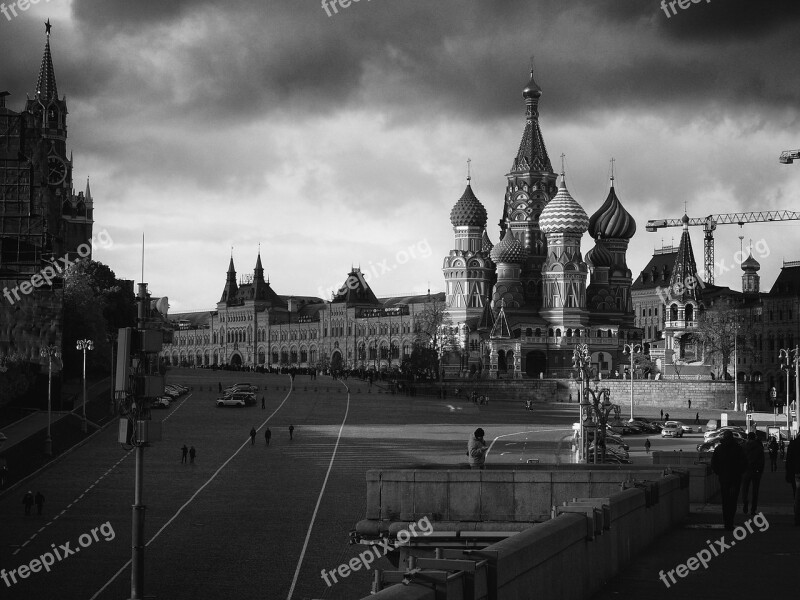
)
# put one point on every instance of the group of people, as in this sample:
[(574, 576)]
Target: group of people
[(740, 467), (268, 435), (190, 452), (29, 500)]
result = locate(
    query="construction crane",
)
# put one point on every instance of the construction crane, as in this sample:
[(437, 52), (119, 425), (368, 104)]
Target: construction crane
[(710, 223), (787, 157)]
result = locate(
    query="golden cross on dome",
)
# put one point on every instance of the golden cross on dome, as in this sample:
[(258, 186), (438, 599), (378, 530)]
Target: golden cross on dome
[(612, 168), (562, 163), (469, 175)]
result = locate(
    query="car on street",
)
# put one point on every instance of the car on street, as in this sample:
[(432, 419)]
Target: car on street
[(162, 402), (249, 398), (645, 425), (622, 427), (710, 445), (230, 401), (736, 429), (672, 429)]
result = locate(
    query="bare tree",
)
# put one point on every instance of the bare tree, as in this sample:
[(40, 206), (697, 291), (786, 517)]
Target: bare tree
[(723, 328), (434, 330)]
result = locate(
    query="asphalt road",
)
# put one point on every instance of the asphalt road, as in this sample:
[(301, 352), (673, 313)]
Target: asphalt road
[(251, 521)]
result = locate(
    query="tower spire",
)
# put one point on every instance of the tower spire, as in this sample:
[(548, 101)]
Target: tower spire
[(46, 84)]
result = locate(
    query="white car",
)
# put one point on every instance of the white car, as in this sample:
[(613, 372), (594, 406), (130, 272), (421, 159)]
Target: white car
[(230, 401), (672, 429)]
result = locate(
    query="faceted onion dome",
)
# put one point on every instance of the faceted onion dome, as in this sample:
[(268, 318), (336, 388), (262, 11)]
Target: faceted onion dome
[(751, 264), (532, 90), (612, 220), (563, 214), (468, 211), (508, 250), (599, 256), (487, 244)]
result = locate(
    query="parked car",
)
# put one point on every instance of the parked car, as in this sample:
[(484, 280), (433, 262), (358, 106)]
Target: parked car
[(245, 387), (612, 439), (622, 428), (736, 429), (230, 401), (246, 397), (645, 425), (710, 445), (672, 429), (162, 402)]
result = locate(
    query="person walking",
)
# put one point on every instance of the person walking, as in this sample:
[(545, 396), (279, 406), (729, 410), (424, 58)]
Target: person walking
[(263, 403), (754, 451), (291, 431), (220, 387), (647, 445), (662, 414), (267, 435), (184, 453), (39, 500), (253, 436), (697, 419), (729, 462), (690, 404), (28, 502), (192, 454), (793, 474), (477, 449), (773, 454)]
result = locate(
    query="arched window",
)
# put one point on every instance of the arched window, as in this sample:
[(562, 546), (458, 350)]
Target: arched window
[(689, 312), (673, 312), (538, 332), (558, 332), (569, 332)]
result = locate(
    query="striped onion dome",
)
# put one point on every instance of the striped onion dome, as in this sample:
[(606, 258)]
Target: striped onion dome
[(508, 250), (599, 256), (468, 211), (563, 214), (612, 220)]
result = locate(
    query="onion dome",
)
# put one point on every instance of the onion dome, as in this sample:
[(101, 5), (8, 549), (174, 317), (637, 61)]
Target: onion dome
[(612, 220), (751, 264), (508, 250), (487, 244), (563, 214), (532, 90), (599, 256), (468, 211)]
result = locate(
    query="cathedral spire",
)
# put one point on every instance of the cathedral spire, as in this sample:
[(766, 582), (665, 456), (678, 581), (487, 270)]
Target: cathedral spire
[(685, 283), (46, 84), (532, 154), (231, 289)]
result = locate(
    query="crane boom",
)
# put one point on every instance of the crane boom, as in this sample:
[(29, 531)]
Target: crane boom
[(710, 223), (787, 157)]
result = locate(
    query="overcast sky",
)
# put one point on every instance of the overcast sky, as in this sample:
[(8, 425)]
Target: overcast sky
[(342, 140)]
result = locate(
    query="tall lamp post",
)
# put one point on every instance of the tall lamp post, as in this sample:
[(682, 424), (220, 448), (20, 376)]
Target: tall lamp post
[(581, 360), (49, 352), (84, 345), (787, 362), (632, 349)]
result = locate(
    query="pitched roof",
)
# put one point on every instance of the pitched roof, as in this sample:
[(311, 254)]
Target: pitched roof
[(500, 329), (788, 281), (653, 275), (684, 280)]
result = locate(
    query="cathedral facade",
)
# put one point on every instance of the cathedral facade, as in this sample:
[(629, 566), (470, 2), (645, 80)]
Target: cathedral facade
[(522, 305)]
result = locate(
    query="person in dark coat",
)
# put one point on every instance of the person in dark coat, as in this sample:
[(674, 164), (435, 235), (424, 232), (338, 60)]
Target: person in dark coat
[(252, 436), (729, 462), (754, 451), (793, 474), (39, 500), (773, 454), (291, 431), (28, 502), (263, 403), (184, 454), (267, 435), (192, 454)]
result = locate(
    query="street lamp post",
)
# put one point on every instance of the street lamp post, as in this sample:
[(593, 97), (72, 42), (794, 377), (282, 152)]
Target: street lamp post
[(50, 352), (84, 345), (785, 357), (632, 349), (581, 360)]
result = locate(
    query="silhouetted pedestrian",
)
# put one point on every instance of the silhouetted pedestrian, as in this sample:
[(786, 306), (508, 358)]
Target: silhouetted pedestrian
[(220, 387), (253, 436), (263, 403), (192, 454), (28, 502), (697, 419), (729, 462), (647, 445), (267, 435), (773, 454), (793, 474), (666, 416), (754, 451), (39, 500), (291, 431), (690, 404), (184, 453), (662, 414)]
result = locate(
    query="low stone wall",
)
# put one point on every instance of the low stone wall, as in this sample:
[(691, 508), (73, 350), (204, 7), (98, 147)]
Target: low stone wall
[(568, 557), (703, 483)]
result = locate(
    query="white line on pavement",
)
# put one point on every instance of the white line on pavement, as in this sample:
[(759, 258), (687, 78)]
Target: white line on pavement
[(319, 498)]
